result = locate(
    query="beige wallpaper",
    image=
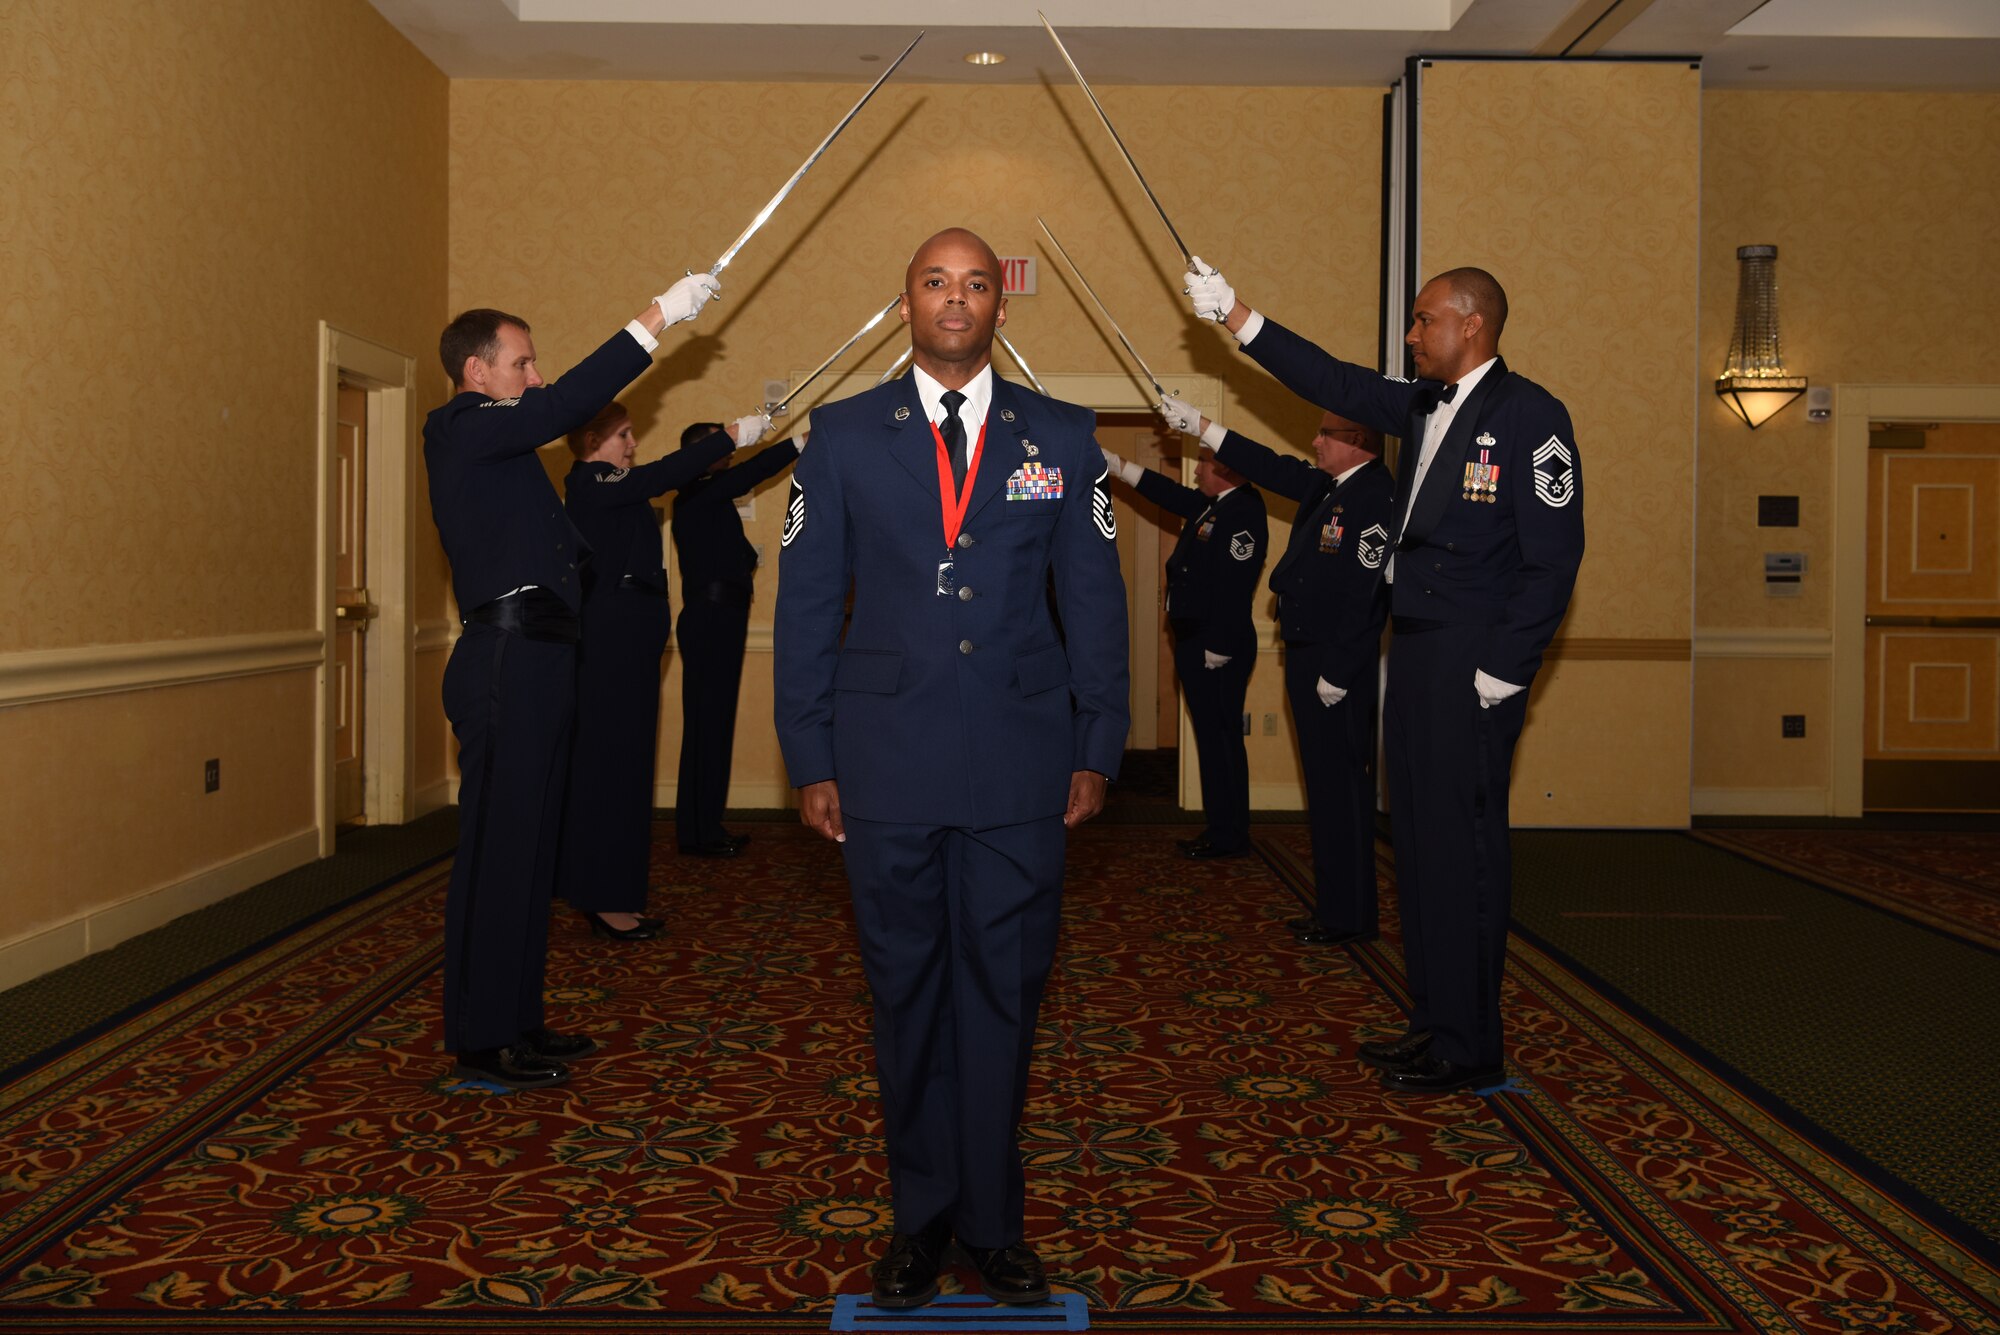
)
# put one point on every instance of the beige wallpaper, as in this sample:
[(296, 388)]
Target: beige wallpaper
[(191, 187), (571, 203), (1577, 185), (187, 189), (1885, 208)]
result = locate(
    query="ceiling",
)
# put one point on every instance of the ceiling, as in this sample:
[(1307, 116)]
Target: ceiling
[(1941, 45)]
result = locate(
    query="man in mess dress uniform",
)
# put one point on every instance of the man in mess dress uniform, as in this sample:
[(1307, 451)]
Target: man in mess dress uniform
[(1482, 557), (510, 687), (1211, 582), (953, 738)]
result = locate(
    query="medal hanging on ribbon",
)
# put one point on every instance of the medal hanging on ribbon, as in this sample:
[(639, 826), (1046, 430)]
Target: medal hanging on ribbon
[(952, 506)]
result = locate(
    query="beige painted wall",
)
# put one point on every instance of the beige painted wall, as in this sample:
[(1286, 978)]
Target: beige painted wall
[(1885, 208), (1572, 182), (571, 203), (190, 189)]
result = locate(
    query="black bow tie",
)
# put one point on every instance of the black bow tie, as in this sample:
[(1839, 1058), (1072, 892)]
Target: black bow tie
[(1442, 394)]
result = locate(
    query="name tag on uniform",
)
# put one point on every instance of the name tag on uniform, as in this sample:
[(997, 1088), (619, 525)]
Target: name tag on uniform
[(1035, 482)]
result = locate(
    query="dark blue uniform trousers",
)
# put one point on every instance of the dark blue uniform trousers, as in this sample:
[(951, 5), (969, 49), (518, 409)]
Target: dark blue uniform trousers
[(606, 855), (1336, 751), (510, 701), (712, 636), (1215, 714), (1449, 765), (958, 932)]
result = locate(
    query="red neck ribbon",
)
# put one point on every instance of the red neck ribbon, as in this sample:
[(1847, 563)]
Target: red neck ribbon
[(953, 508)]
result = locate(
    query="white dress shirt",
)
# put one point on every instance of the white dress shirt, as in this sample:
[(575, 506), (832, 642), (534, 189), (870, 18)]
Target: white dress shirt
[(978, 398)]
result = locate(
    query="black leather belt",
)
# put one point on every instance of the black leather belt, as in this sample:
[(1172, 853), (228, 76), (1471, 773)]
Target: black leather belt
[(728, 592), (533, 614), (633, 584)]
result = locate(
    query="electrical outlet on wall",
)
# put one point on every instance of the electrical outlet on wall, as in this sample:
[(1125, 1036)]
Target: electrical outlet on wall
[(1794, 725), (1246, 724), (211, 775), (1270, 725)]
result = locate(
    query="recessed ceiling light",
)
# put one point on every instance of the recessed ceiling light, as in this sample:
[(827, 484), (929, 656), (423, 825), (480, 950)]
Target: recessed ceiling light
[(871, 57), (983, 57), (1758, 69)]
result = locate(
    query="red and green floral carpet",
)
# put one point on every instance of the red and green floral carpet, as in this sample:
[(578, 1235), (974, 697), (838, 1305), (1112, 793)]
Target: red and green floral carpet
[(277, 1146)]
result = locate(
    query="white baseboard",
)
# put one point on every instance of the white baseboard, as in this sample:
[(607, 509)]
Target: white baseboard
[(1759, 802), (32, 956), (435, 797)]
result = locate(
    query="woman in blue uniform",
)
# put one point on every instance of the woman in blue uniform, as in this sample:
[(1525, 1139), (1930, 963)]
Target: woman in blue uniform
[(607, 813)]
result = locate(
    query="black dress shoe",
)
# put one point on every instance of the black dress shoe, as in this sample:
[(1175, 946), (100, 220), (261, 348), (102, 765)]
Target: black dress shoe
[(1432, 1074), (1190, 845), (1217, 851), (1394, 1053), (715, 848), (907, 1274), (1326, 936), (735, 840), (645, 929), (516, 1068), (556, 1048), (1301, 924), (1009, 1274)]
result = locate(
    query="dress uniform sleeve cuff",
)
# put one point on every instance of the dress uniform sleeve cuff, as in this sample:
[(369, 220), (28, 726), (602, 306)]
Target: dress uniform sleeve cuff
[(646, 340), (1213, 435), (1251, 328)]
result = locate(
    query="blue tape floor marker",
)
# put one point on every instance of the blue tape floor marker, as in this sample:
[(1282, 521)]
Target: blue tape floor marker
[(1508, 1086), (477, 1087), (962, 1311)]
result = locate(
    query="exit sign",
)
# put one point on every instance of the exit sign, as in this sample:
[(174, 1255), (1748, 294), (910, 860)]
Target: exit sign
[(1017, 275)]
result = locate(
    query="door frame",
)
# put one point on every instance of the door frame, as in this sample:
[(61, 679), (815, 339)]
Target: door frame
[(1855, 406), (388, 755)]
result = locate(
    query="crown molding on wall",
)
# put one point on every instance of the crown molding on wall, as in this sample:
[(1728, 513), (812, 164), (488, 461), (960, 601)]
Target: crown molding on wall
[(36, 675), (1761, 642)]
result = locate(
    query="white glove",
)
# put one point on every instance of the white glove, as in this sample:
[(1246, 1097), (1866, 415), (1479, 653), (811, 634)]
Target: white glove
[(1112, 462), (1180, 414), (747, 431), (1492, 690), (684, 300), (1212, 660), (1213, 297), (1329, 694)]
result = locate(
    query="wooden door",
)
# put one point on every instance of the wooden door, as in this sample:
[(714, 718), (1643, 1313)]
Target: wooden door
[(1932, 737), (352, 609)]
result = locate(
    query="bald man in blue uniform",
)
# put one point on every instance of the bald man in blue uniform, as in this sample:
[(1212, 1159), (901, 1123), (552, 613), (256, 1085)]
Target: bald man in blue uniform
[(1482, 550), (952, 738)]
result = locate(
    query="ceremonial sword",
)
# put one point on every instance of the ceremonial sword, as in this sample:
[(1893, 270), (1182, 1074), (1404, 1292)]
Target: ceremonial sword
[(1019, 360), (1101, 310), (1084, 83), (765, 213), (773, 409)]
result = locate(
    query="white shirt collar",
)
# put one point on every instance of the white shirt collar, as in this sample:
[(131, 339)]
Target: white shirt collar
[(978, 398), (1217, 498), (1339, 478), (1467, 381)]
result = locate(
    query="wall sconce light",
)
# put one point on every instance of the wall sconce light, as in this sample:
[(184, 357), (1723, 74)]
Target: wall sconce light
[(1755, 385)]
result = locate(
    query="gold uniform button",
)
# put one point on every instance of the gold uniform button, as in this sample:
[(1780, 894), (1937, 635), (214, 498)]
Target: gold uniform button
[(965, 646), (965, 595)]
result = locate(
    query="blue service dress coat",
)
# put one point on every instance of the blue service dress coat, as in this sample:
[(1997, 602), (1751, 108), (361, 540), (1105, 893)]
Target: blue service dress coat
[(953, 713), (607, 835), (1486, 555)]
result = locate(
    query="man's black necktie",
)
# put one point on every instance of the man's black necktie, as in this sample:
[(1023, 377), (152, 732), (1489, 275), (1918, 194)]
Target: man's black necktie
[(953, 432)]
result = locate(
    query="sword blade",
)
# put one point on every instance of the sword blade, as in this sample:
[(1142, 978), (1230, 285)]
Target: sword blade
[(771, 409), (1112, 130), (1101, 310), (764, 214), (895, 366), (1020, 361)]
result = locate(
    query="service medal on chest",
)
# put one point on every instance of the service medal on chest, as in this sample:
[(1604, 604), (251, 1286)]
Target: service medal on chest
[(1482, 479)]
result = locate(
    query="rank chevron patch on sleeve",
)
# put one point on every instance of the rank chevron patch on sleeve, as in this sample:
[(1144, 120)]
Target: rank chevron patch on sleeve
[(1555, 473), (1101, 512), (795, 515)]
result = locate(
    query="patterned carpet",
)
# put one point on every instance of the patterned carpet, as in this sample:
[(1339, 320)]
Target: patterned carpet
[(1947, 880), (276, 1146)]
